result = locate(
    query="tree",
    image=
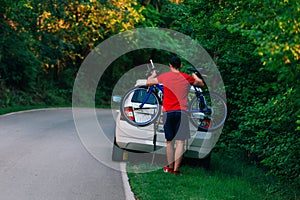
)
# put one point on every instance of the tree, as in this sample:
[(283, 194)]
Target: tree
[(18, 66)]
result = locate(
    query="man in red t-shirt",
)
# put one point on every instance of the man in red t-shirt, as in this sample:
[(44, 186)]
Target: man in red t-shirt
[(176, 123)]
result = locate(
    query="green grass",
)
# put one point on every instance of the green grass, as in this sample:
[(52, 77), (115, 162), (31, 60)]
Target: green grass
[(18, 108), (22, 108), (226, 179)]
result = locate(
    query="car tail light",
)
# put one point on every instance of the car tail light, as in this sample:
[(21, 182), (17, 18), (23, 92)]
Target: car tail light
[(129, 113)]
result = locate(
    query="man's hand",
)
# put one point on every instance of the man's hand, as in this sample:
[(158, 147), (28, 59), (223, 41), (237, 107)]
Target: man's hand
[(152, 80), (198, 82), (153, 73)]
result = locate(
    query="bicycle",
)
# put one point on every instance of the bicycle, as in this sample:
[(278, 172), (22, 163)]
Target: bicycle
[(142, 105)]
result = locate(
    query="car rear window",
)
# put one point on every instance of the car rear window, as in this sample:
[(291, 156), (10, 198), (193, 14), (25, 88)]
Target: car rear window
[(140, 95)]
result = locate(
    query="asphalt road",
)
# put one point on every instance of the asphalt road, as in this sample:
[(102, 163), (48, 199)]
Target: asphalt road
[(42, 157)]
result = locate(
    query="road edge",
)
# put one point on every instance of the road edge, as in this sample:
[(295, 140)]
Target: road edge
[(33, 110), (127, 189)]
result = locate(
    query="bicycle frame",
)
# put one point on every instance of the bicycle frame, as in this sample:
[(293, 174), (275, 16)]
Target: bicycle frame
[(150, 89), (197, 91), (201, 100), (207, 110)]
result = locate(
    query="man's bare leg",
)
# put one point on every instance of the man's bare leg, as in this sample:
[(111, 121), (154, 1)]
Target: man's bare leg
[(178, 153), (170, 153)]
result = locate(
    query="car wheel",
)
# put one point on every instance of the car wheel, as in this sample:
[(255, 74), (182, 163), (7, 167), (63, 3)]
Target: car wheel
[(205, 162), (198, 162)]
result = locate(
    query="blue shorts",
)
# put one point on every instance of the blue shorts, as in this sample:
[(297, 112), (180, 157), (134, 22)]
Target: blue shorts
[(176, 125)]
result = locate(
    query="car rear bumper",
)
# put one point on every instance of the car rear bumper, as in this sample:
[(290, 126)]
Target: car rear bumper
[(142, 139)]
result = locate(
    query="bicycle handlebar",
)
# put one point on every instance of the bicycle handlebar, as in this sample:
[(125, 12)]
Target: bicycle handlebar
[(152, 64), (197, 72)]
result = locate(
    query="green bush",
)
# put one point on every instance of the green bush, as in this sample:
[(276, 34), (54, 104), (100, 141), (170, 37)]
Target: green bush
[(262, 82)]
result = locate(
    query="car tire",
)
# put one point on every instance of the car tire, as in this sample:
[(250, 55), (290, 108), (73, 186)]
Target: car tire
[(117, 152), (205, 162), (198, 162)]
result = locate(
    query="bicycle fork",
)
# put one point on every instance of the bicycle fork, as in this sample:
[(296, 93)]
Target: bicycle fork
[(203, 105)]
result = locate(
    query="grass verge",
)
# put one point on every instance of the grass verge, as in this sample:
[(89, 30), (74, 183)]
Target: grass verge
[(22, 108), (227, 178)]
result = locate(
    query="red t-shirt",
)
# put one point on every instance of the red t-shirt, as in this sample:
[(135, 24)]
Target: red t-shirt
[(176, 86)]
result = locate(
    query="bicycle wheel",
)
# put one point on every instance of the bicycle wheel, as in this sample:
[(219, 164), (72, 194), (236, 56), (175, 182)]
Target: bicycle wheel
[(209, 119), (132, 110)]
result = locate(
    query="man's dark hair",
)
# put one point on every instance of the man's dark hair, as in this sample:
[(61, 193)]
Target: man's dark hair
[(175, 62)]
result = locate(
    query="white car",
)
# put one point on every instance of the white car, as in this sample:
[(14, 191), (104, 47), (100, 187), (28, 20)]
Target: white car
[(151, 139)]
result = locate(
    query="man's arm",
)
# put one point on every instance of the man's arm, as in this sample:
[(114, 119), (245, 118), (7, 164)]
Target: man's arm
[(152, 80), (198, 82)]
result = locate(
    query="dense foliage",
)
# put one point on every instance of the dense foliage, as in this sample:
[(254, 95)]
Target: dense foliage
[(256, 46), (254, 43)]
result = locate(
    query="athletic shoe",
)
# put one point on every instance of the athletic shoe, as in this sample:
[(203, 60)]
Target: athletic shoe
[(168, 169)]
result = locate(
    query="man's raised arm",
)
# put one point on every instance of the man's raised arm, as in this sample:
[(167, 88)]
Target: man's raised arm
[(198, 82)]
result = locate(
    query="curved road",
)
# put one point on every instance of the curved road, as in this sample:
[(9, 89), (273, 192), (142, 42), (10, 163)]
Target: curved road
[(42, 157)]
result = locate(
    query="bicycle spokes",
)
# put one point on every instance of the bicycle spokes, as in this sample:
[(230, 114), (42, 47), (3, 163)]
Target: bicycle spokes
[(208, 111), (140, 107)]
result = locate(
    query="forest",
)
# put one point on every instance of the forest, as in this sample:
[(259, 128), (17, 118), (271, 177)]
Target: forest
[(255, 45)]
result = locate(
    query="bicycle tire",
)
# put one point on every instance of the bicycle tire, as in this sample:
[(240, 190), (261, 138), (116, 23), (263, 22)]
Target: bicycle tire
[(131, 111), (208, 121)]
